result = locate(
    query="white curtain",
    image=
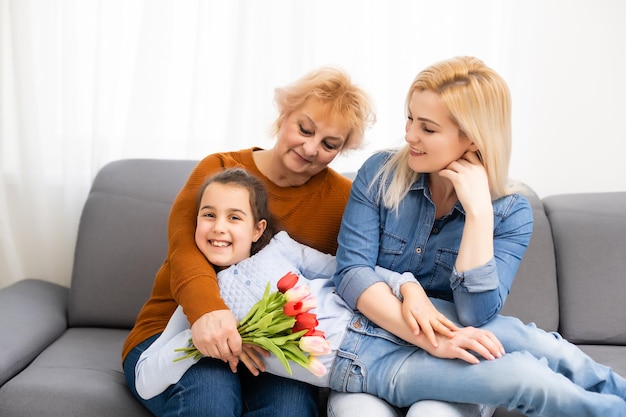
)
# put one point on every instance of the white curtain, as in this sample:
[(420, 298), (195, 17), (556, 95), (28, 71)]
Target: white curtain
[(84, 82)]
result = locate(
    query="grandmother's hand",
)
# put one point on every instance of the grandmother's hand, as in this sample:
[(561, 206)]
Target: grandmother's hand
[(215, 335)]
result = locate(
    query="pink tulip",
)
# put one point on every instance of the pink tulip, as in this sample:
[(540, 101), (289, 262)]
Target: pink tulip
[(298, 293), (315, 366), (287, 282), (309, 303), (293, 308), (315, 345)]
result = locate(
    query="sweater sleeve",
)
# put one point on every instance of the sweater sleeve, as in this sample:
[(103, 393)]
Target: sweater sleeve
[(193, 279)]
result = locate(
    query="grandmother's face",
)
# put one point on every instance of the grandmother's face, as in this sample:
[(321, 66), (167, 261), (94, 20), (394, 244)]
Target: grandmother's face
[(310, 138)]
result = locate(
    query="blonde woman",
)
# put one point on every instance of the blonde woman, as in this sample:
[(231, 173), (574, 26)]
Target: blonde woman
[(443, 209)]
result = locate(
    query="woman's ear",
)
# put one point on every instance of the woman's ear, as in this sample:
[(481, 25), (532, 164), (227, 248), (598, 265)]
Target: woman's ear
[(259, 229), (473, 147)]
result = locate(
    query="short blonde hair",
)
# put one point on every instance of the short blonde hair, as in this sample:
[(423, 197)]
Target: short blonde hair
[(334, 88), (479, 103)]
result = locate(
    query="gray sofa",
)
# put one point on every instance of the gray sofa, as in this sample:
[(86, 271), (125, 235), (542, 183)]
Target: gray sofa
[(60, 348)]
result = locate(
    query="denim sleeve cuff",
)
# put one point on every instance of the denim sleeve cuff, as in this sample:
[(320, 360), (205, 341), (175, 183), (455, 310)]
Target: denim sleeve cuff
[(395, 280), (480, 279), (355, 282)]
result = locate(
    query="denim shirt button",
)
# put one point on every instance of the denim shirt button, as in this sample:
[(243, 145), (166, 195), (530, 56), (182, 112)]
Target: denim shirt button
[(435, 230), (418, 250)]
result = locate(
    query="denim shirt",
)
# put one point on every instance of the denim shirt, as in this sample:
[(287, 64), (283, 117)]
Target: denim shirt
[(412, 240)]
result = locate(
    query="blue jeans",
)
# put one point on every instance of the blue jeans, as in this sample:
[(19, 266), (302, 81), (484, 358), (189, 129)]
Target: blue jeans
[(541, 374), (209, 388)]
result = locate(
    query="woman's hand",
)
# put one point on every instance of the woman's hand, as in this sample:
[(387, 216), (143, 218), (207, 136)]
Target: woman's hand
[(215, 335), (420, 314), (469, 178), (465, 341)]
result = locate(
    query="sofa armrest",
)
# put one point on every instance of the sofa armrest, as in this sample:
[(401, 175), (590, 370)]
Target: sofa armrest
[(32, 316)]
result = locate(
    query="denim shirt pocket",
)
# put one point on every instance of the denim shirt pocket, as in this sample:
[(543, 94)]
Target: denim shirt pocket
[(392, 247), (439, 282)]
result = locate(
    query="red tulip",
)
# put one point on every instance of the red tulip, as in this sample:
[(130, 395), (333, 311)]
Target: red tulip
[(305, 321), (287, 282), (292, 308), (315, 332)]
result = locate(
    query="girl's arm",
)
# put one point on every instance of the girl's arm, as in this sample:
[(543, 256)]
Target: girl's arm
[(312, 263), (417, 309)]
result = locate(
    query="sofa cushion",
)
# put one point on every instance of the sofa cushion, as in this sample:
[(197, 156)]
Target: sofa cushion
[(534, 293), (122, 240), (589, 233), (78, 375)]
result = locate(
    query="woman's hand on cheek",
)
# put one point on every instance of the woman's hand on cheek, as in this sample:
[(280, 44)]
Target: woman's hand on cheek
[(215, 335), (469, 178)]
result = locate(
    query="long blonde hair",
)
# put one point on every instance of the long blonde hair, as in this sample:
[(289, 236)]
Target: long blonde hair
[(479, 103)]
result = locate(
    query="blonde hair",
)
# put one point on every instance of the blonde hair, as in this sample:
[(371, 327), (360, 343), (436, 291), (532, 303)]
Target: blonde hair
[(333, 87), (479, 103)]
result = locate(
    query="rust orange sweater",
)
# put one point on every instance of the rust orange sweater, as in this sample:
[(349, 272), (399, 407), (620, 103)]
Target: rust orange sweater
[(310, 213)]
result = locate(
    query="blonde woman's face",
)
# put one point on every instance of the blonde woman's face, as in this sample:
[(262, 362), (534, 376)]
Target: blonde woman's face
[(434, 139), (310, 138)]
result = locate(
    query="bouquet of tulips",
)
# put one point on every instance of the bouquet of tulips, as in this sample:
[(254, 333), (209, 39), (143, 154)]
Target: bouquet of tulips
[(282, 323)]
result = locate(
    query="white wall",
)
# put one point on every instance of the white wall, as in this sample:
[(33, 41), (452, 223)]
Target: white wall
[(84, 82), (565, 63)]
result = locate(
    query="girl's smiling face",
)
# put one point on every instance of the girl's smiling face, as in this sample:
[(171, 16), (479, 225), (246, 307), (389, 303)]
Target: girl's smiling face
[(434, 139), (226, 226)]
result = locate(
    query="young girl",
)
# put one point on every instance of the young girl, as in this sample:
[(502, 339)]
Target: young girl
[(232, 219)]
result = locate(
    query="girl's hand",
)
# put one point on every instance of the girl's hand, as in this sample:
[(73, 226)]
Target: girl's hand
[(469, 178), (252, 356), (420, 314), (465, 341)]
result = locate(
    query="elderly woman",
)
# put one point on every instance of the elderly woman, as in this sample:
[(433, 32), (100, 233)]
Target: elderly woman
[(320, 115)]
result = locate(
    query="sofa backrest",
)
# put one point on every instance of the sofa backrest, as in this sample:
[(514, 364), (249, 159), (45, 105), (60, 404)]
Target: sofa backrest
[(122, 239), (534, 293), (590, 242)]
